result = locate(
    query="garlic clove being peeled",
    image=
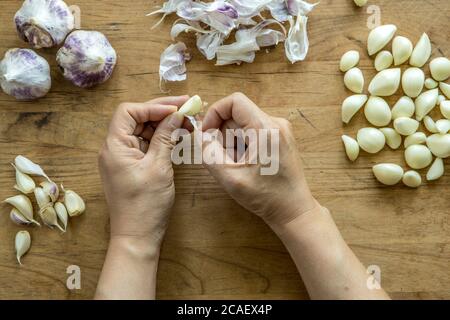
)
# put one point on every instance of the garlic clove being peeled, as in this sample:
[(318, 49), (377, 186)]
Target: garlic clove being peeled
[(431, 84), (86, 58), (42, 198), (443, 126), (354, 80), (385, 83), (74, 203), (349, 60), (413, 80), (377, 112), (24, 183), (380, 37), (406, 126), (50, 189), (421, 52), (430, 124), (402, 48), (44, 23), (440, 69), (415, 138), (29, 167), (393, 139), (24, 74), (388, 173), (404, 107), (418, 156), (371, 140), (383, 60), (425, 103), (439, 144), (23, 204), (62, 214), (445, 109), (19, 219), (192, 107), (351, 106), (351, 147), (412, 179), (445, 88), (436, 170), (50, 218), (22, 244)]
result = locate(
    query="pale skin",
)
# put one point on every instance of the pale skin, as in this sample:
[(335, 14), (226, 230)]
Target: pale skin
[(137, 173)]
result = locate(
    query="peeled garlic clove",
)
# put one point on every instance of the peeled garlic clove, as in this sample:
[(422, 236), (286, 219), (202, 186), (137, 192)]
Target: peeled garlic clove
[(436, 170), (441, 98), (23, 204), (354, 80), (430, 124), (349, 60), (416, 138), (62, 214), (439, 145), (51, 189), (29, 167), (445, 88), (425, 103), (413, 80), (192, 107), (418, 156), (406, 126), (393, 139), (421, 52), (383, 60), (385, 83), (360, 3), (401, 48), (351, 106), (380, 37), (440, 69), (351, 147), (404, 107), (24, 183), (74, 203), (377, 112), (86, 58), (445, 109), (431, 84), (388, 173), (42, 198), (22, 244), (49, 217), (412, 179), (371, 140), (443, 126)]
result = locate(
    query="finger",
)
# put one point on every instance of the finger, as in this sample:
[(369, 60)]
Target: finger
[(147, 133)]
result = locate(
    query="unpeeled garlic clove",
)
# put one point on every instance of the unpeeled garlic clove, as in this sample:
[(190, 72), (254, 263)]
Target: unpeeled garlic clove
[(413, 80), (418, 156), (385, 83), (443, 126), (445, 109), (380, 37), (23, 204), (24, 183), (404, 107), (351, 106), (29, 167), (402, 48), (349, 60), (377, 112), (50, 218), (421, 52), (412, 179), (425, 103), (51, 189), (436, 170), (371, 140), (431, 84), (19, 219), (439, 144), (43, 199), (406, 126), (192, 107), (351, 147), (445, 88), (416, 138), (383, 60), (430, 124), (440, 69), (388, 173), (393, 139), (354, 80), (62, 214), (22, 244), (74, 203)]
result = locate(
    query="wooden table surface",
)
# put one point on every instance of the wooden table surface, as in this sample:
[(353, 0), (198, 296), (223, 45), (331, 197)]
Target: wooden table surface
[(214, 248)]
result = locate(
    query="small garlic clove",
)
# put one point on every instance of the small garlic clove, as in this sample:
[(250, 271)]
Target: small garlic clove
[(385, 83), (431, 84), (354, 80), (51, 189), (351, 147), (443, 126), (377, 112), (383, 60), (418, 156), (436, 170), (406, 126), (404, 107), (413, 80), (439, 144), (192, 107), (388, 173), (62, 214), (445, 88), (50, 218), (421, 52), (393, 139), (23, 204), (371, 140), (24, 183), (29, 167), (380, 37), (425, 103), (416, 138), (22, 244), (430, 124), (19, 219), (43, 200), (412, 179), (360, 3), (441, 98), (351, 106), (402, 48), (440, 69), (445, 109), (349, 60), (74, 203)]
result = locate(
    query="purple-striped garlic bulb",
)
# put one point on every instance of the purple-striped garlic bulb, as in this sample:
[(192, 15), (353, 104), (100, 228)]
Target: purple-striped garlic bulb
[(44, 23), (24, 74), (86, 58)]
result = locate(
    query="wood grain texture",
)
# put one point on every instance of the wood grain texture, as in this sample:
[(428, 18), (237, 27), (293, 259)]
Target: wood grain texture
[(214, 248)]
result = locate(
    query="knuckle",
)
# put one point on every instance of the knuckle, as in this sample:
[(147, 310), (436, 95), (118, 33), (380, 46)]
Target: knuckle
[(238, 96)]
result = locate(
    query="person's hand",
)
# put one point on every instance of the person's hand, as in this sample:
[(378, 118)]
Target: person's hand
[(136, 168), (279, 198)]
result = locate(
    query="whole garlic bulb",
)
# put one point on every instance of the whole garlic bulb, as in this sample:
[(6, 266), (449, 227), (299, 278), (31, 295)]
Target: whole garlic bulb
[(24, 74), (87, 58), (44, 23)]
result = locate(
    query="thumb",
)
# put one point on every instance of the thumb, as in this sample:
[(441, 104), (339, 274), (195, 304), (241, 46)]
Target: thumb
[(162, 143)]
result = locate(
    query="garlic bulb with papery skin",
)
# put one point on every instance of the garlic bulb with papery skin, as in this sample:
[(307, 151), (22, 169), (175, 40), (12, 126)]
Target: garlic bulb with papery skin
[(385, 83), (413, 80), (86, 58), (44, 23), (371, 140), (380, 37), (445, 88), (383, 60), (349, 60), (354, 80), (377, 112), (22, 244), (436, 170), (24, 74), (418, 156), (404, 107), (412, 179), (425, 103), (439, 144), (406, 126), (351, 147), (388, 173), (393, 138), (440, 69), (421, 52), (402, 48), (415, 138), (351, 106), (445, 109)]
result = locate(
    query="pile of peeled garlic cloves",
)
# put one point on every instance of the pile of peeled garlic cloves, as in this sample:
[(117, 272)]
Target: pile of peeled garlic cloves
[(424, 148), (54, 209)]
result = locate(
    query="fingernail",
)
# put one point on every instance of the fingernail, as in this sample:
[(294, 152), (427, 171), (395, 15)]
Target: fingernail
[(176, 119)]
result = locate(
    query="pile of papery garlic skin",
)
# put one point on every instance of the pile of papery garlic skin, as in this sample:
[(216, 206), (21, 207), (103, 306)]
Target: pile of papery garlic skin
[(53, 213), (419, 147)]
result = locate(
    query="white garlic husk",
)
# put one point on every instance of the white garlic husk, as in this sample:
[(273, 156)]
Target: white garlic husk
[(74, 203), (440, 69), (44, 23), (354, 80), (393, 138), (377, 112), (430, 124), (24, 183), (388, 173), (22, 244), (445, 88), (351, 147), (436, 170), (23, 204), (50, 218), (439, 144), (380, 37), (371, 140), (445, 109), (18, 218), (383, 60), (413, 80), (349, 60), (415, 138), (51, 189), (43, 199), (385, 83), (351, 106), (404, 107), (24, 74), (425, 103), (402, 48), (418, 156), (86, 58), (62, 214), (412, 179), (443, 126), (406, 126), (421, 52), (431, 84)]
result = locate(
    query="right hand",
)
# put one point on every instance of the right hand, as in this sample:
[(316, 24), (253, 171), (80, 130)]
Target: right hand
[(278, 199)]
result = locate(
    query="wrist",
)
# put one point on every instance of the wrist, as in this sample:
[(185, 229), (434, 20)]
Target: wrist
[(140, 248)]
